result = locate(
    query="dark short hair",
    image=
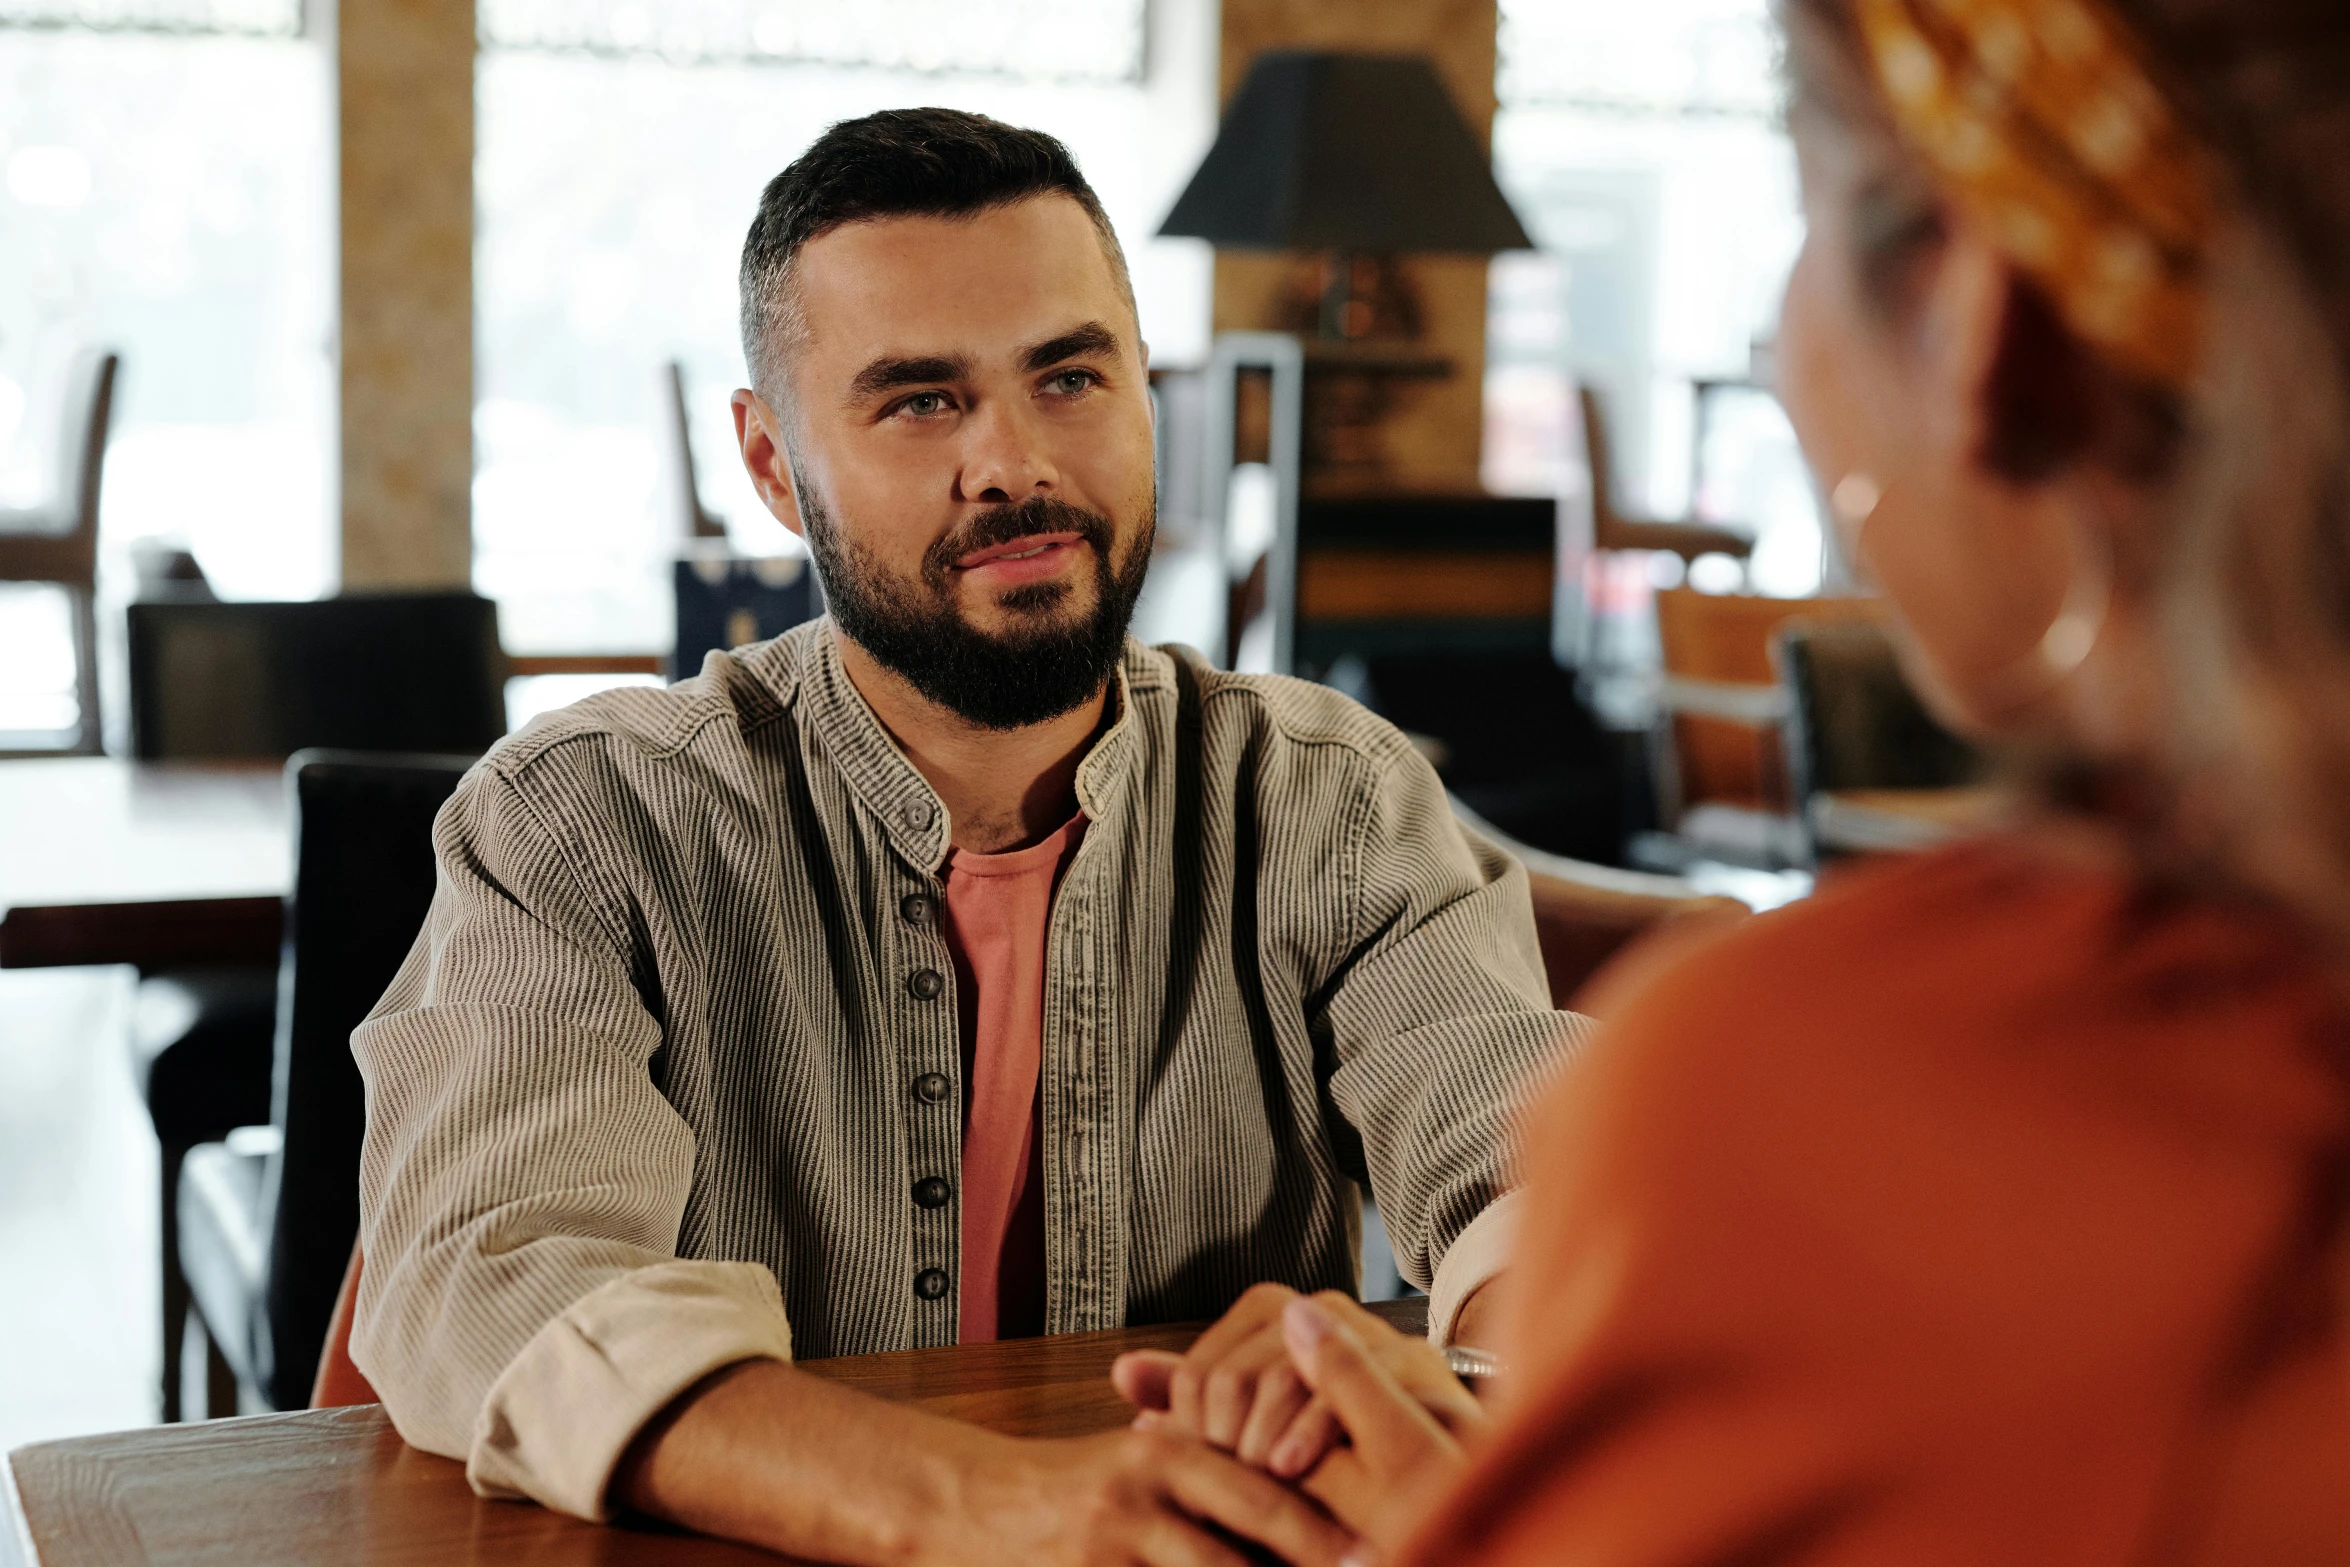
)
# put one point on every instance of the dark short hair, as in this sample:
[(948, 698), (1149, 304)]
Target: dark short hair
[(936, 163)]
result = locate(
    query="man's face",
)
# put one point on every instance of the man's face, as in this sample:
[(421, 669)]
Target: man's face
[(968, 451)]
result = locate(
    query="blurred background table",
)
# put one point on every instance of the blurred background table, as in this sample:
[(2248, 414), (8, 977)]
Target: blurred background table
[(155, 864), (340, 1485)]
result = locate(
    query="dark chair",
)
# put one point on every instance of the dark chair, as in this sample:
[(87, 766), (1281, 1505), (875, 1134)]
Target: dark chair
[(58, 543), (391, 672), (1515, 743), (267, 1217), (725, 601), (1387, 577), (377, 672), (1854, 723)]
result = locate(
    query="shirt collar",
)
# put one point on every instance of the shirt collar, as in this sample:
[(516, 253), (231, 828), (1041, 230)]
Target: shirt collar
[(894, 790)]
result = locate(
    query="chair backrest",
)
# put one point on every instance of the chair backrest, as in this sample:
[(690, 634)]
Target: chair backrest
[(363, 879), (1599, 455), (724, 602), (1853, 721), (1722, 693), (1612, 530), (1585, 914), (376, 672), (694, 520), (82, 436), (58, 541), (340, 1382)]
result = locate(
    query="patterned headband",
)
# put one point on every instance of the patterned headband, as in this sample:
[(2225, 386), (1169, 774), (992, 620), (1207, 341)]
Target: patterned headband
[(2042, 119)]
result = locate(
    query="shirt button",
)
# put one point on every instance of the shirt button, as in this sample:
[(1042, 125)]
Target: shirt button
[(925, 984), (916, 815), (915, 908), (931, 1283), (932, 1191), (932, 1088)]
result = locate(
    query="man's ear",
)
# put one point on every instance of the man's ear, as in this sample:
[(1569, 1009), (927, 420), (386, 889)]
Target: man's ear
[(758, 430)]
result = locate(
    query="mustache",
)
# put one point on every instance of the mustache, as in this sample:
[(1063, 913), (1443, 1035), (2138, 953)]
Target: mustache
[(1023, 519)]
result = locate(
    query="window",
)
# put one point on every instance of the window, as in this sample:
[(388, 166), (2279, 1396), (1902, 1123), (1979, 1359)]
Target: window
[(163, 180), (622, 149), (1642, 147), (1095, 41)]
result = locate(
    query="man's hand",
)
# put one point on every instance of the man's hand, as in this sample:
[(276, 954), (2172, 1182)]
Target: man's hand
[(1139, 1496), (1239, 1389), (763, 1453)]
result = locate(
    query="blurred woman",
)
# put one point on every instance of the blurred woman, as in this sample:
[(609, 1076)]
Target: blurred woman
[(1989, 1205)]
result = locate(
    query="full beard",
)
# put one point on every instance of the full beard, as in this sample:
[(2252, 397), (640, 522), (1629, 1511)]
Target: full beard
[(1047, 666)]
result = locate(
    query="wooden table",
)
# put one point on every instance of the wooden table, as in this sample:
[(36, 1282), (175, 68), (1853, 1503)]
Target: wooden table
[(338, 1485), (156, 864)]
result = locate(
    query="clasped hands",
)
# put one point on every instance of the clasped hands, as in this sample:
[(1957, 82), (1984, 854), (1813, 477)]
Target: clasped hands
[(1322, 1395)]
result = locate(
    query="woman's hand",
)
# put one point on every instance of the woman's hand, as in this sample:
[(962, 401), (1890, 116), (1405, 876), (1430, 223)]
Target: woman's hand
[(1238, 1388), (1234, 1389), (1407, 1420)]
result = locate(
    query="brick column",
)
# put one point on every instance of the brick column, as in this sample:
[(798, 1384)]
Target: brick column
[(404, 110)]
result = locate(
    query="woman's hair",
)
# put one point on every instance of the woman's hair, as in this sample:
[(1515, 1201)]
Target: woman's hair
[(2246, 559)]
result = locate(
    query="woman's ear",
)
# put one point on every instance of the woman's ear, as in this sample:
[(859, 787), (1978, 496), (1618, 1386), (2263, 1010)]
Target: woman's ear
[(1962, 344)]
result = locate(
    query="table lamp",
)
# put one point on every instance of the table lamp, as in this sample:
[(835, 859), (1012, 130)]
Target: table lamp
[(1359, 156)]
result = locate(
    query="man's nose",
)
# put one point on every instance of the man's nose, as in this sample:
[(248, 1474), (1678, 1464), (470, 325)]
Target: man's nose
[(1004, 457)]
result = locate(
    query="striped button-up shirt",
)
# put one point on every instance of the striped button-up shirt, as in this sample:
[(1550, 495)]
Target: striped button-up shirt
[(678, 1040)]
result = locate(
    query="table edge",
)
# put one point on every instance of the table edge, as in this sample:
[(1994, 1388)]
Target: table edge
[(19, 1546), (229, 926)]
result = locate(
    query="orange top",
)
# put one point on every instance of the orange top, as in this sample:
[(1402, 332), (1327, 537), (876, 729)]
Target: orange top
[(998, 910), (1984, 1208)]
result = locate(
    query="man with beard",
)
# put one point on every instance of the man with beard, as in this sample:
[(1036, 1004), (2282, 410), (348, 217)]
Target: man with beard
[(949, 969)]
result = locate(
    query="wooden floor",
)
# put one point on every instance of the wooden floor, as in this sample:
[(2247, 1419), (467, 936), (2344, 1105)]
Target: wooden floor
[(78, 1343)]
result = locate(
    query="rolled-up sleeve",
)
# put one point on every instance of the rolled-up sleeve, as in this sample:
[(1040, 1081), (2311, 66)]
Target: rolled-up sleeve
[(523, 1179), (1439, 1026)]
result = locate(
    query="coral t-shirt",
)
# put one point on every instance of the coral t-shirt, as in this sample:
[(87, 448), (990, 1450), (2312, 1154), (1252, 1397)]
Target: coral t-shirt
[(998, 908), (1989, 1207)]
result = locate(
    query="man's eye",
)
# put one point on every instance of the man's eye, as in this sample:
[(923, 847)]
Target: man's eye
[(1070, 382), (923, 404)]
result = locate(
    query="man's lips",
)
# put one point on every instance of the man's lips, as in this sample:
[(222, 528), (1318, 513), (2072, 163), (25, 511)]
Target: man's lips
[(1035, 547)]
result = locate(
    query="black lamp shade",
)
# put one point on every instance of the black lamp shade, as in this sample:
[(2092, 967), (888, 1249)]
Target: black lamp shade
[(1353, 152)]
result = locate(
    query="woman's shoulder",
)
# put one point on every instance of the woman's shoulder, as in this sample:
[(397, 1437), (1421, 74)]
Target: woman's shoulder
[(1990, 1006), (1974, 941)]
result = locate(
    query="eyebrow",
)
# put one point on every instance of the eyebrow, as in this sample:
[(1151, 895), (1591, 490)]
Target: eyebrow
[(1093, 338), (887, 374)]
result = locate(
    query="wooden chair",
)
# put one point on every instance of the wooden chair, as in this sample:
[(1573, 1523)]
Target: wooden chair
[(340, 1381), (1721, 706), (681, 478), (1585, 914), (1614, 529), (58, 543)]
